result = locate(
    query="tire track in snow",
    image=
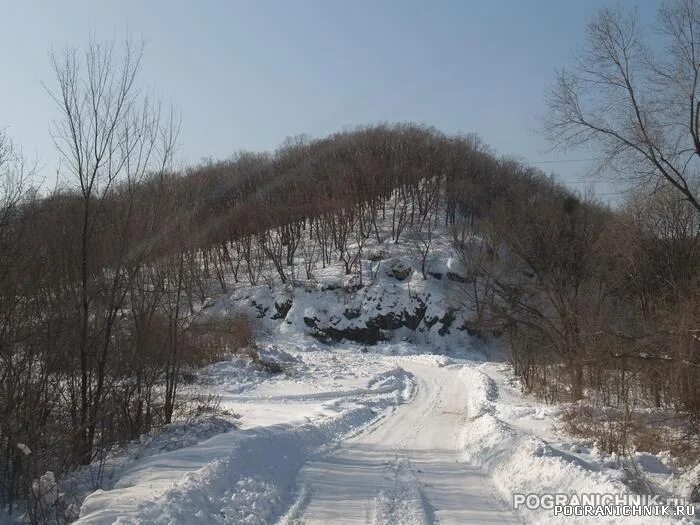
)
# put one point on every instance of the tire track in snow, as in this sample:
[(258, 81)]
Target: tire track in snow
[(406, 468), (404, 503), (243, 476)]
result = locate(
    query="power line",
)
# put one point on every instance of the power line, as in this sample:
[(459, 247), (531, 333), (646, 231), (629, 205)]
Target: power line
[(564, 161), (591, 181)]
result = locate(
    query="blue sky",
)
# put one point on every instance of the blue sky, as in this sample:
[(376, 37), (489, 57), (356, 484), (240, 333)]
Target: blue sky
[(245, 75)]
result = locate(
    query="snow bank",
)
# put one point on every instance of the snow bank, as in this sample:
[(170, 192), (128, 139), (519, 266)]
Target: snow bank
[(245, 477), (521, 463)]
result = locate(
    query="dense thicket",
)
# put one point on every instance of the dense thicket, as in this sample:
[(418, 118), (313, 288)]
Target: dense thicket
[(632, 96)]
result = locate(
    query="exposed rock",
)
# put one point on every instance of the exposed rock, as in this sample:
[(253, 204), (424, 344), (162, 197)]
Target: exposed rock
[(371, 331), (413, 320), (372, 314), (366, 335), (446, 322), (271, 367), (352, 313), (376, 255), (459, 278), (398, 270), (430, 321), (388, 321), (282, 309), (262, 310)]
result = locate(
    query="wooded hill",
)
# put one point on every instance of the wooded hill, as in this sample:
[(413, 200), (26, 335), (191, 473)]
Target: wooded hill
[(97, 289)]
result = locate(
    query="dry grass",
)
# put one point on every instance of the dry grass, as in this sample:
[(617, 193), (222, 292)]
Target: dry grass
[(623, 431)]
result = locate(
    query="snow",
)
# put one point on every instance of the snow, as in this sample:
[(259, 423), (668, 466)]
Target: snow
[(515, 441), (419, 428), (407, 468), (393, 435), (244, 475)]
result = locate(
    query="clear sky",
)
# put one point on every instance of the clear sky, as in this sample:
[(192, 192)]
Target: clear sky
[(245, 75)]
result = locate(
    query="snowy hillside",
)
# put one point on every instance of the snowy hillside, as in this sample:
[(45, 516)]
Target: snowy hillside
[(394, 304), (387, 411)]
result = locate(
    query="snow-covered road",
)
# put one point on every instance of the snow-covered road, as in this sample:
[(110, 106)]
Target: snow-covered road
[(406, 468), (346, 437)]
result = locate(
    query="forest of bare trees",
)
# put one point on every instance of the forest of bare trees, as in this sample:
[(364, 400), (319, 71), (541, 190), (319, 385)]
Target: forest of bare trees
[(595, 304)]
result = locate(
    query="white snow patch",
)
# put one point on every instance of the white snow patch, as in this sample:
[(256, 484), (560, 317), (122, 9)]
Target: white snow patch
[(521, 462)]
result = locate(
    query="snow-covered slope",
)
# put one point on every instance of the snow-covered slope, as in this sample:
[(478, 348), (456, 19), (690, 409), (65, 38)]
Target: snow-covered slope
[(388, 411), (392, 303)]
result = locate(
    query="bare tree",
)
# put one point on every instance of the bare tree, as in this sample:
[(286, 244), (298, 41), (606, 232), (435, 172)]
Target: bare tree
[(22, 374), (15, 174), (637, 103), (107, 134)]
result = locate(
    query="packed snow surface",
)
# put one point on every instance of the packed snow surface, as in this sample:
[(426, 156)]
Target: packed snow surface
[(406, 468), (352, 436)]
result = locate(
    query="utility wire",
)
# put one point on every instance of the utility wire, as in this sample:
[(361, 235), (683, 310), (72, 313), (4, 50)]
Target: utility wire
[(560, 161)]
